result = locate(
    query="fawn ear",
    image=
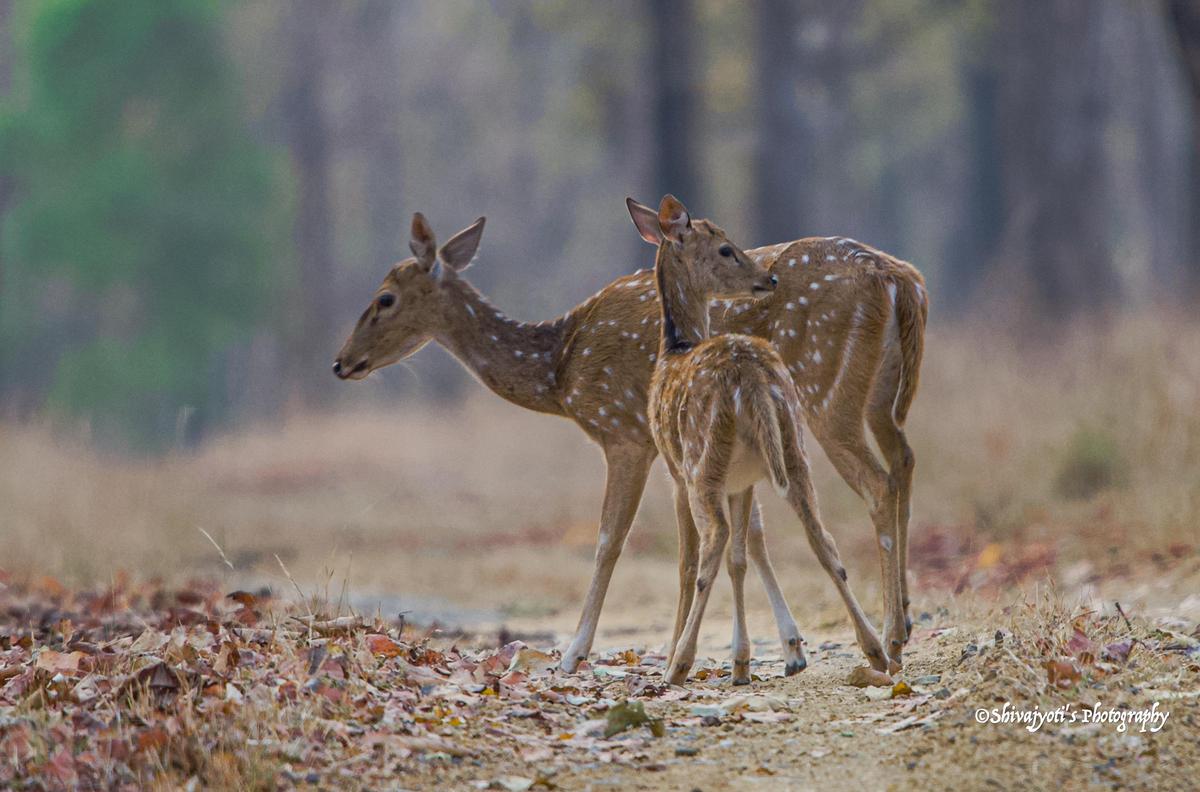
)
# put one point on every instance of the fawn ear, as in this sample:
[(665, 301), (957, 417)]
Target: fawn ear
[(460, 248), (645, 220), (673, 218), (424, 246), (423, 243)]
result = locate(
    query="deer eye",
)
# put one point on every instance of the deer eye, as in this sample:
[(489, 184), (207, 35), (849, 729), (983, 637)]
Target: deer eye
[(725, 250), (386, 300)]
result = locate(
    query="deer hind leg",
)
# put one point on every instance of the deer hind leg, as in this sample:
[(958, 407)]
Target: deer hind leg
[(743, 507), (628, 467), (899, 456), (803, 500), (714, 533), (735, 562), (846, 447), (688, 561)]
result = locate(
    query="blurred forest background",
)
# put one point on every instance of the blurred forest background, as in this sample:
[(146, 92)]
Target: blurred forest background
[(197, 198)]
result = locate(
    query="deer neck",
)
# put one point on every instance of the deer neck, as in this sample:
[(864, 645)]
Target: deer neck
[(684, 313), (516, 360)]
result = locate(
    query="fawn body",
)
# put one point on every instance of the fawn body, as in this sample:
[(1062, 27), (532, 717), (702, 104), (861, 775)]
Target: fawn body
[(593, 365), (724, 412)]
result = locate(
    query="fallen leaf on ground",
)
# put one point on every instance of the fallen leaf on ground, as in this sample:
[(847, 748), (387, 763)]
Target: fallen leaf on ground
[(864, 676), (626, 715), (383, 646)]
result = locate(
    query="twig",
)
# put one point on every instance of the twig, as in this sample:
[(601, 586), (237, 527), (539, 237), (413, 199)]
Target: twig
[(1121, 611), (208, 536)]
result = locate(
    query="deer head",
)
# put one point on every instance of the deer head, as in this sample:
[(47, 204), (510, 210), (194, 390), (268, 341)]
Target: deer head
[(715, 267), (409, 307)]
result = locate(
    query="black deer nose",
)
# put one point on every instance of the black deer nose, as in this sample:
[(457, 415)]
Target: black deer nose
[(337, 367), (774, 279)]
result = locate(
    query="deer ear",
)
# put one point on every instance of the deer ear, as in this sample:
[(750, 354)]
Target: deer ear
[(423, 243), (460, 248), (673, 218), (645, 220)]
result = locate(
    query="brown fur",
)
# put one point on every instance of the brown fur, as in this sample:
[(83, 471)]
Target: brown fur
[(724, 413), (593, 366)]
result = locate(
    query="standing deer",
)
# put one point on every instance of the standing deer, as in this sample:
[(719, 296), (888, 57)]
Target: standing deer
[(724, 414), (593, 365)]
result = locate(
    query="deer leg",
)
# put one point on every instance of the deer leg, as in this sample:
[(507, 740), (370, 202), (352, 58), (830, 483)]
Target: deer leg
[(714, 533), (847, 449), (626, 478), (803, 500), (744, 508), (735, 562), (688, 561), (899, 456)]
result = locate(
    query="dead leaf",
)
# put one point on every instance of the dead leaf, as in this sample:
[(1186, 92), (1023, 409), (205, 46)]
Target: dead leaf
[(60, 662), (1082, 647), (244, 598), (1062, 673), (383, 646), (865, 676), (901, 689), (625, 715), (531, 661), (1119, 651)]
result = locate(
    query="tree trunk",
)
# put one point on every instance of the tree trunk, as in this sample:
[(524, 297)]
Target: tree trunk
[(1185, 19), (6, 48), (313, 344), (784, 153), (1051, 117), (377, 77), (674, 102)]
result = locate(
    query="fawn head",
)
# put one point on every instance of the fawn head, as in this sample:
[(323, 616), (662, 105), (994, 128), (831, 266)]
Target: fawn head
[(715, 267), (409, 306)]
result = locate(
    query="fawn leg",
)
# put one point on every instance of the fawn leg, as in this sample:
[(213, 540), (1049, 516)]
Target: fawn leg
[(714, 533), (743, 507), (688, 561), (735, 562), (628, 467)]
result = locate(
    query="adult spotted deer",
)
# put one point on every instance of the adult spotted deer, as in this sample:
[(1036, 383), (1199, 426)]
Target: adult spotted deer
[(593, 365), (724, 413)]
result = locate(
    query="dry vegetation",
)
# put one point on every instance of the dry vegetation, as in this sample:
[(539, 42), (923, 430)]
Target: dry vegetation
[(1068, 467)]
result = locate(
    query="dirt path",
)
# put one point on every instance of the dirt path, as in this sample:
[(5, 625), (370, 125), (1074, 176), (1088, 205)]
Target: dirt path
[(814, 731)]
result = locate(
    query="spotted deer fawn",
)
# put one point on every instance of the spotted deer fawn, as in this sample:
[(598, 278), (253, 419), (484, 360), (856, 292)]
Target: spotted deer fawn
[(593, 365), (724, 414)]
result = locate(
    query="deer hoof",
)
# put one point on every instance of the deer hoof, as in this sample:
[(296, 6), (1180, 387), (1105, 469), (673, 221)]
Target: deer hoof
[(795, 667)]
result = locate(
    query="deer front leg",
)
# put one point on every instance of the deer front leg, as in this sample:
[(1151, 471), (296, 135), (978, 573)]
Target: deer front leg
[(743, 507), (623, 485)]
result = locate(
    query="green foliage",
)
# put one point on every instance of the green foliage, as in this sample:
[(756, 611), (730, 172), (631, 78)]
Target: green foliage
[(1091, 463), (137, 246)]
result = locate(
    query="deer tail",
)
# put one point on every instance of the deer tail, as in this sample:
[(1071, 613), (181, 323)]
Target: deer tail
[(768, 436), (912, 310)]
